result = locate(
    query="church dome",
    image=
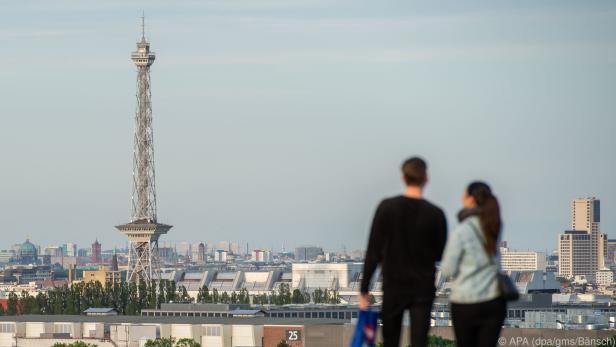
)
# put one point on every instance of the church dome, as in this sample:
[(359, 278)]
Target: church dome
[(28, 251)]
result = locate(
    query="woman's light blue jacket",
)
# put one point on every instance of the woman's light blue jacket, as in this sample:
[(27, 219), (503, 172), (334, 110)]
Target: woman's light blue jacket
[(465, 261)]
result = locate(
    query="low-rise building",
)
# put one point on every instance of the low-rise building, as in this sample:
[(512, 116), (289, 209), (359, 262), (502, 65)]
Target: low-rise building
[(102, 275), (604, 277), (522, 260)]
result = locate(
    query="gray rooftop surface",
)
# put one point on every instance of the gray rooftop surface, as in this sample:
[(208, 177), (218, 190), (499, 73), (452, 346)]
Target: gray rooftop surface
[(170, 320)]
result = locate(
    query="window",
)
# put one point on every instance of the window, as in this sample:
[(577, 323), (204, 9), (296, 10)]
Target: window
[(62, 328), (212, 331), (7, 327)]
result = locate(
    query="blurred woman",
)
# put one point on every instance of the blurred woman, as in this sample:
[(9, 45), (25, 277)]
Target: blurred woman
[(470, 259)]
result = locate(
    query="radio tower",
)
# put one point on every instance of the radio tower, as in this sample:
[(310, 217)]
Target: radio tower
[(143, 230)]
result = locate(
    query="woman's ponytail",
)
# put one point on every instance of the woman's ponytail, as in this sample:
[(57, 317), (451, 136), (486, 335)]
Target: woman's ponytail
[(489, 213)]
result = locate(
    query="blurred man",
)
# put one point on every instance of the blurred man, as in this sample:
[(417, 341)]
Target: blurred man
[(407, 239)]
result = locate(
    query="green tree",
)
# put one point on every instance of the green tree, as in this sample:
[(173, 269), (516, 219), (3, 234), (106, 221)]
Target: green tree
[(437, 341), (284, 294), (183, 295), (160, 342), (224, 298), (187, 343), (332, 297), (161, 292), (318, 296), (73, 344), (297, 297), (203, 296), (12, 304)]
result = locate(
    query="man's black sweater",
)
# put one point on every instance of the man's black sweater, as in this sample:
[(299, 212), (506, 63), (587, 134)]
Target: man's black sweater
[(407, 239)]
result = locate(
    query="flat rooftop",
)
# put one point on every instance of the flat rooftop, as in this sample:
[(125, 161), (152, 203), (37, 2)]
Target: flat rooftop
[(169, 320)]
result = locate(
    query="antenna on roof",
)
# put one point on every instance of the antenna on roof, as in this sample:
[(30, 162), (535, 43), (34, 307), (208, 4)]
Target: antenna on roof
[(143, 26)]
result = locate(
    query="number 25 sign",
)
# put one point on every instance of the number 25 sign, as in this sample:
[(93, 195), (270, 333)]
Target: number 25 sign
[(293, 335)]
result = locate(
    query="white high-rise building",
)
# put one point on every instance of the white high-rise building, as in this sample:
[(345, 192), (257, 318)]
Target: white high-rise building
[(261, 256), (583, 250), (220, 255), (71, 249)]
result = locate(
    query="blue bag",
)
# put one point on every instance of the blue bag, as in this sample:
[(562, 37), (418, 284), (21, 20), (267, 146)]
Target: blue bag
[(365, 330)]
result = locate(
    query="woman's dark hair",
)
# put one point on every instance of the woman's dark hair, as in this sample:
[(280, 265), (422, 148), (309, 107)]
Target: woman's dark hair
[(489, 213)]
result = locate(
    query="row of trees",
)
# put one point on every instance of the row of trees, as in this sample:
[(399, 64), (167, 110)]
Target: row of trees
[(126, 298), (204, 296), (161, 342), (282, 296), (131, 298), (171, 342)]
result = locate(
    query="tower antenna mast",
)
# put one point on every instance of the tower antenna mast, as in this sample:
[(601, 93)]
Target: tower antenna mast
[(143, 231)]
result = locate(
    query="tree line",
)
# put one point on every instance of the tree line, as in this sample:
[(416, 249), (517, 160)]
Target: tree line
[(126, 298), (131, 298), (282, 296)]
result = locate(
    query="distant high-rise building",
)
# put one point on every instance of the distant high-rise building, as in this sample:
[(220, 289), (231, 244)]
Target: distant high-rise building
[(183, 249), (220, 255), (114, 262), (198, 253), (71, 249), (96, 252), (307, 253), (261, 256), (234, 248), (586, 214), (583, 250), (611, 253), (53, 251)]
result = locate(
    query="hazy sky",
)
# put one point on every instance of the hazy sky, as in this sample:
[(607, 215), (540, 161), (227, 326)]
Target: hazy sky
[(283, 122)]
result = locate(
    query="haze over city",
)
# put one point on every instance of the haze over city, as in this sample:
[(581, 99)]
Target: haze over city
[(285, 123)]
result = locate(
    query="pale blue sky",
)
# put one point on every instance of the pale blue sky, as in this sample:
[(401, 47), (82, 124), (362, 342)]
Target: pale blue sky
[(284, 122)]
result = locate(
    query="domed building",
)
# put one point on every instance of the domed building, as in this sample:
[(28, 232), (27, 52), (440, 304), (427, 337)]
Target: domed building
[(27, 254)]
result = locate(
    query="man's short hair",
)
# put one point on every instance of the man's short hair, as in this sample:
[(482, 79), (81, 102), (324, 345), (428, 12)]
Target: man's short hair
[(415, 172)]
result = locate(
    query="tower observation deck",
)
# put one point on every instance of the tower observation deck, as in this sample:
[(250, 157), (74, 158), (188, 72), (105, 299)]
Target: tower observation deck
[(144, 230)]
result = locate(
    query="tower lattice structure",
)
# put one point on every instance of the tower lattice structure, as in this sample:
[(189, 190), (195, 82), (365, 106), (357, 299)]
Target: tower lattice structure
[(143, 231)]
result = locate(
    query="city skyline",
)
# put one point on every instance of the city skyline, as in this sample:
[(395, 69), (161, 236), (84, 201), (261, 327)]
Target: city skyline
[(299, 144)]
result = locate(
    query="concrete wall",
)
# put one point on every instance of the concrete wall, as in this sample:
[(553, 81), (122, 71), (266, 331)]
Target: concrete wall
[(221, 340), (325, 336), (246, 335), (132, 334)]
